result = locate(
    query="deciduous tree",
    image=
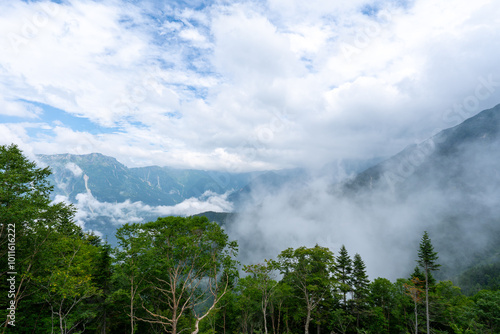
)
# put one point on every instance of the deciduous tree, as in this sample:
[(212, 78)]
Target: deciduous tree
[(189, 262), (310, 271), (35, 222), (265, 284)]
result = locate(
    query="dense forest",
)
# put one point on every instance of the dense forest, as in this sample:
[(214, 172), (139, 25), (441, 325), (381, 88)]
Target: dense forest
[(180, 275)]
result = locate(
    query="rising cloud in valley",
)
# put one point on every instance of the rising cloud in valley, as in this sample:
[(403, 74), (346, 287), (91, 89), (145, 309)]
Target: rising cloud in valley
[(315, 92)]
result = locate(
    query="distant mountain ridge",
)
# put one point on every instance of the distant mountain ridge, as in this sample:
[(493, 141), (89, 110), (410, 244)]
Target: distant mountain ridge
[(459, 168), (451, 182), (111, 181), (436, 157)]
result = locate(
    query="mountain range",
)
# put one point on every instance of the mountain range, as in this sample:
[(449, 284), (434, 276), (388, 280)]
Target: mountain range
[(456, 176), (111, 181), (451, 181)]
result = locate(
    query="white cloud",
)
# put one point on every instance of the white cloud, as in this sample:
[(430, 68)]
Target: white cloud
[(74, 168), (242, 86), (251, 85), (19, 109), (89, 208)]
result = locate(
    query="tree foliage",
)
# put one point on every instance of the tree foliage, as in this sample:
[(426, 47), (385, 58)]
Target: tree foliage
[(310, 272), (53, 257), (427, 259), (178, 267), (179, 274)]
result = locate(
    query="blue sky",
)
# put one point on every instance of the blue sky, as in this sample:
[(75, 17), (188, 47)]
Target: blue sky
[(55, 116), (242, 85)]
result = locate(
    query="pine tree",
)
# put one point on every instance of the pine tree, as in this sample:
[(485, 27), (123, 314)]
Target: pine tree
[(343, 271), (360, 283), (427, 258), (359, 278)]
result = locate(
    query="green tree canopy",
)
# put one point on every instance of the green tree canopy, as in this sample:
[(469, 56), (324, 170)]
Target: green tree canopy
[(53, 257), (310, 271), (184, 265)]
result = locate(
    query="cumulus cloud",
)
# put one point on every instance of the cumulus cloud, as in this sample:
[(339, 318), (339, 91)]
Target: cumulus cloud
[(91, 211), (74, 168), (19, 109), (272, 84)]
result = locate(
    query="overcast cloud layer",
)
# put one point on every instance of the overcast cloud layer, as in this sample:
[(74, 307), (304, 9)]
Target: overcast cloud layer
[(242, 85)]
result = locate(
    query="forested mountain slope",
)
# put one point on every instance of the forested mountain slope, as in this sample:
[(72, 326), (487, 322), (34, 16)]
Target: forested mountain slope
[(458, 171), (448, 184), (111, 181)]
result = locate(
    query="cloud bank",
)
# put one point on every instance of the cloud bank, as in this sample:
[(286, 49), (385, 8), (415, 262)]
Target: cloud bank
[(241, 85), (452, 193), (105, 217)]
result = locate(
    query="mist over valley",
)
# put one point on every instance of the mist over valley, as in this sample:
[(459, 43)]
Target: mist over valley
[(447, 185)]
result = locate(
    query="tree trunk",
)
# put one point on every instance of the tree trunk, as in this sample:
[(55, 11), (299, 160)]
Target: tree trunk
[(174, 326), (308, 320), (132, 306), (245, 323), (273, 322), (416, 318), (279, 319), (196, 327), (427, 299), (265, 320), (61, 321)]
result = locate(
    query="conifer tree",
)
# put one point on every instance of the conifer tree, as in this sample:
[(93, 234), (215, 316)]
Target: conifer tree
[(427, 258), (360, 283), (343, 271)]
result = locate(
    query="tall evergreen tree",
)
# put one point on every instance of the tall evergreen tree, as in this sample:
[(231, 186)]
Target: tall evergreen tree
[(360, 284), (427, 259), (343, 271)]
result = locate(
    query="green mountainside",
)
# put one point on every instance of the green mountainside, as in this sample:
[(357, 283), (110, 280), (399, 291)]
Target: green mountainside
[(453, 177), (443, 158), (222, 218), (456, 173), (111, 181)]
